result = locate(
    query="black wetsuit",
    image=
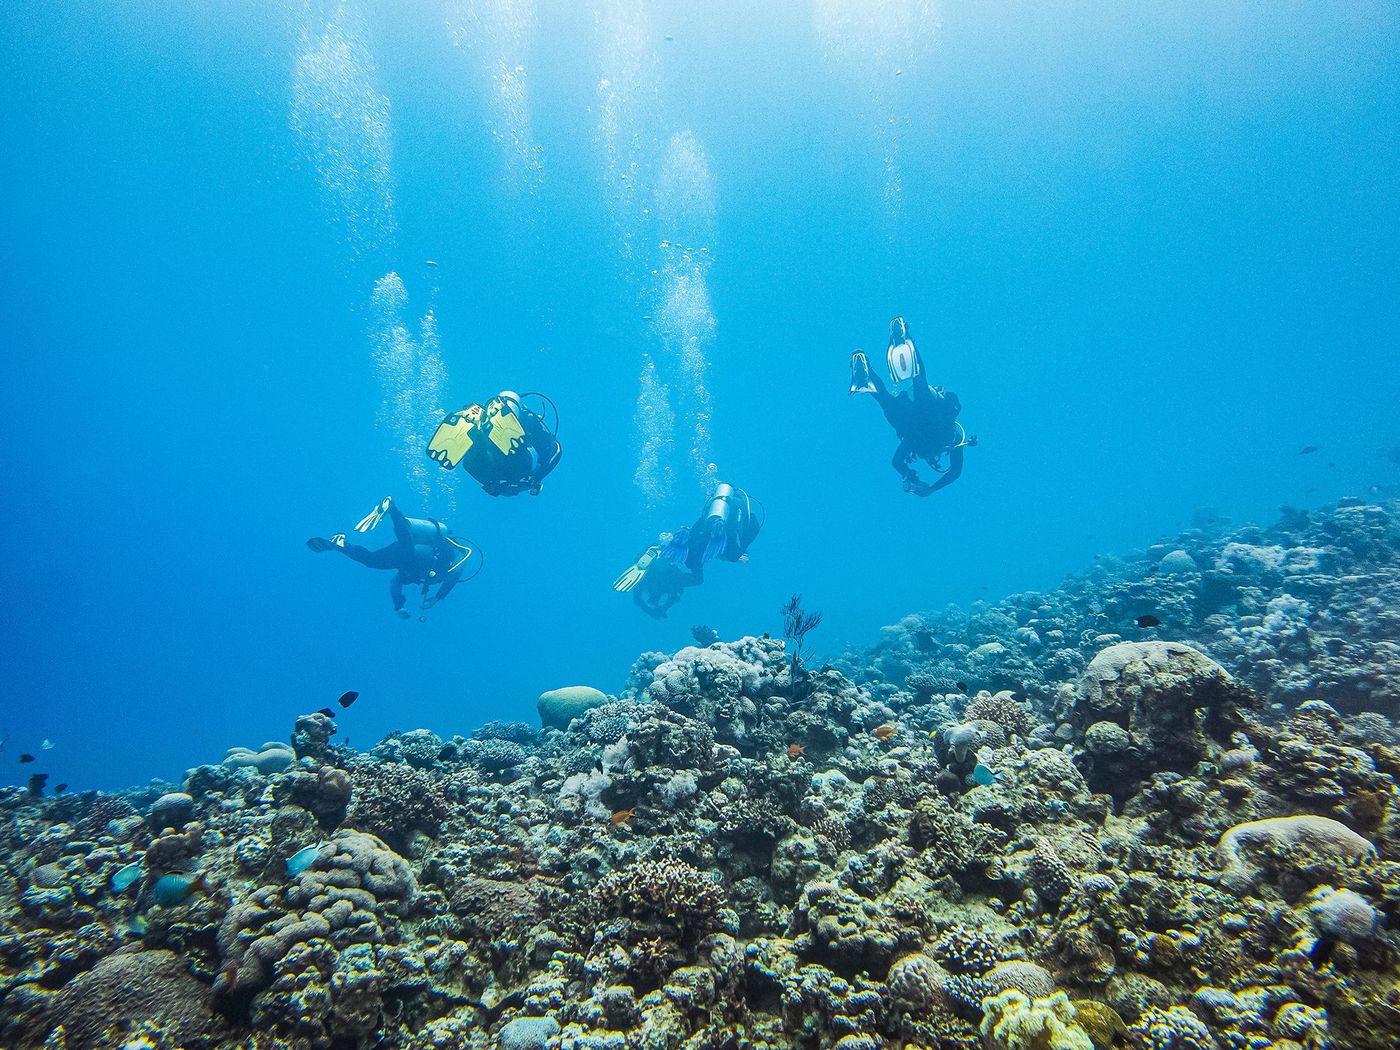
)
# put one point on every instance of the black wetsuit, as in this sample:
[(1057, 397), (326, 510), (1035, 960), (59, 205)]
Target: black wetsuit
[(662, 587), (925, 421), (528, 467), (420, 554)]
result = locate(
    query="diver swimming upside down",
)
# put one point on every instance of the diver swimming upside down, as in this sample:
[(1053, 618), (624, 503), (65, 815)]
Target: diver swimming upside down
[(924, 418), (424, 552)]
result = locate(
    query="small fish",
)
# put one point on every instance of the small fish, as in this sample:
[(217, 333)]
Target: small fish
[(884, 732), (622, 816), (429, 262), (47, 745), (1148, 620), (136, 926), (174, 888), (301, 860), (982, 775), (126, 876), (37, 782), (60, 789), (962, 686), (1307, 450), (346, 699), (796, 751), (327, 712), (26, 757)]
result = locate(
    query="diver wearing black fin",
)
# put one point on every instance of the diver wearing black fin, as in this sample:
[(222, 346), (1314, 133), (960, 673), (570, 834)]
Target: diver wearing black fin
[(423, 552), (924, 418), (726, 528)]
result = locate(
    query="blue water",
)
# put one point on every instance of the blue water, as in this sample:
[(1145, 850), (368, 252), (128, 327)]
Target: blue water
[(1152, 247)]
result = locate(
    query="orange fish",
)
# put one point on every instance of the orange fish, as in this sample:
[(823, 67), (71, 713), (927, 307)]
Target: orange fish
[(622, 816), (795, 750), (884, 732)]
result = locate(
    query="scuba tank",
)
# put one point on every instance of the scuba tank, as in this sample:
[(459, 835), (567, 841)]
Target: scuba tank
[(731, 523)]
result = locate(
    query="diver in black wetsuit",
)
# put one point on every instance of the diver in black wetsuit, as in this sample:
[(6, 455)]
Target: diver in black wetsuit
[(423, 552), (726, 527), (541, 453), (924, 418)]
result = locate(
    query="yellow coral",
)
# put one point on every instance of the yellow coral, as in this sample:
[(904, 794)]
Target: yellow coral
[(1100, 1022), (1012, 1021)]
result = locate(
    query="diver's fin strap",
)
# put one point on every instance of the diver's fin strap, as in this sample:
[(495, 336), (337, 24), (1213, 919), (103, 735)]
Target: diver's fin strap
[(374, 517)]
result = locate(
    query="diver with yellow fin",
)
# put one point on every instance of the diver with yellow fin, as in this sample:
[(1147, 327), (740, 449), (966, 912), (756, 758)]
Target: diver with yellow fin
[(506, 445), (924, 418), (424, 552), (727, 526)]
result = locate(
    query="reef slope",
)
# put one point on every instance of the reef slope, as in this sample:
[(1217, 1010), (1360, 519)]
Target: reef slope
[(1030, 825)]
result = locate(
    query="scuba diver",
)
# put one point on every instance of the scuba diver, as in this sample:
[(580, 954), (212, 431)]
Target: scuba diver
[(924, 418), (726, 528), (506, 445), (423, 552)]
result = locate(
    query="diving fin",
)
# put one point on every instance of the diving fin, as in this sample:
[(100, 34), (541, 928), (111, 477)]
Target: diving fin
[(633, 576), (902, 357), (374, 517), (860, 374), (320, 545)]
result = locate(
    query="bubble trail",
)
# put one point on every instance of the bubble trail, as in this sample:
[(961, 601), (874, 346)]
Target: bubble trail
[(498, 33), (343, 126), (412, 378), (874, 42)]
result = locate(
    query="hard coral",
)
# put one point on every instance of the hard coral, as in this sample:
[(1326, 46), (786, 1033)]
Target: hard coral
[(1001, 709), (668, 890), (394, 801), (128, 990)]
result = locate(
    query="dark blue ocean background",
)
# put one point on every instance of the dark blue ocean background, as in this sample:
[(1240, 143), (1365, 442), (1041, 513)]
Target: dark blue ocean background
[(1153, 247)]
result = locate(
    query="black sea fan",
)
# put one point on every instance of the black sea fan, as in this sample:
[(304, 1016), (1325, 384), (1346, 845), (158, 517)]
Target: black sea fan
[(797, 623)]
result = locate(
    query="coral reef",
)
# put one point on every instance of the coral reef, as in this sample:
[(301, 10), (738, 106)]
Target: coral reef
[(1028, 825)]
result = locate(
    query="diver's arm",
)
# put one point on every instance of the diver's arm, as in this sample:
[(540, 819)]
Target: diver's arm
[(954, 471), (396, 591), (644, 602), (445, 588), (549, 452), (903, 455)]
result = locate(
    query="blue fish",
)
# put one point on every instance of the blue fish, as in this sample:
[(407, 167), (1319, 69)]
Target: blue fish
[(126, 876), (175, 887), (982, 775), (301, 860)]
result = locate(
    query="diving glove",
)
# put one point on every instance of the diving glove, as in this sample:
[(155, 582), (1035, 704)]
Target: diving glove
[(374, 517), (860, 374), (633, 576)]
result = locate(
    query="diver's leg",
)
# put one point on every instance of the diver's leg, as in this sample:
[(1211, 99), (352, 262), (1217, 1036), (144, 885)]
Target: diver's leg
[(402, 530), (922, 391), (389, 557)]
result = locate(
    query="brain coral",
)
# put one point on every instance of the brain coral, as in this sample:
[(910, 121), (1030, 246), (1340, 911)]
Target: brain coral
[(127, 990), (1243, 847)]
